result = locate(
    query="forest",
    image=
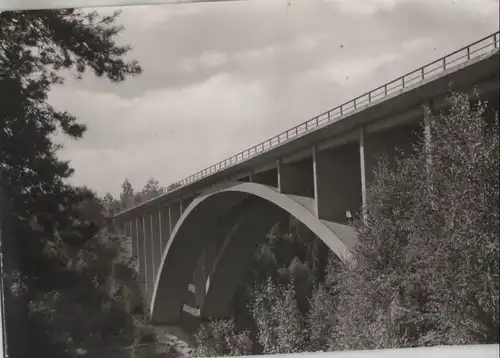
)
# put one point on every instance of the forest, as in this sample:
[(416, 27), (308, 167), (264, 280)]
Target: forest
[(425, 271)]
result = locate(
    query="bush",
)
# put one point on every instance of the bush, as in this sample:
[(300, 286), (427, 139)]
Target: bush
[(427, 268), (220, 338), (278, 319)]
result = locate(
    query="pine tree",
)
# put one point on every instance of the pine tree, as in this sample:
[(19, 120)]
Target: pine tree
[(44, 211), (127, 195)]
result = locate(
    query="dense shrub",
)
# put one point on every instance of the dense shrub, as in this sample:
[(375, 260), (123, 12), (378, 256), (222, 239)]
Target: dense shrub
[(220, 338)]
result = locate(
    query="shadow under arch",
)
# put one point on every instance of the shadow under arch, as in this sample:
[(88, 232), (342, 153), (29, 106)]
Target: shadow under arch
[(199, 220)]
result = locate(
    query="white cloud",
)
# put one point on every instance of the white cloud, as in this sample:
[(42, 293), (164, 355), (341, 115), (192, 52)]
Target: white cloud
[(213, 59), (168, 134), (417, 44), (220, 78), (149, 17), (364, 7), (355, 70)]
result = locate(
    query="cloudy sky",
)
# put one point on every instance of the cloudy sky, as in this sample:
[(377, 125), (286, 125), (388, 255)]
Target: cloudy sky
[(221, 77)]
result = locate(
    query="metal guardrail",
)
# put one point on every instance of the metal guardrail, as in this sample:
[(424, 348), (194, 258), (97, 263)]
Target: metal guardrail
[(421, 74)]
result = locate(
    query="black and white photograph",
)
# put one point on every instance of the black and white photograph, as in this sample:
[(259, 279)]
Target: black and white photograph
[(210, 178)]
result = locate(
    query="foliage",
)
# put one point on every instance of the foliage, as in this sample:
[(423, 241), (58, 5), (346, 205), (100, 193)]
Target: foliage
[(127, 195), (321, 319), (151, 190), (93, 315), (278, 319), (428, 270), (130, 198), (48, 230), (220, 338), (111, 204)]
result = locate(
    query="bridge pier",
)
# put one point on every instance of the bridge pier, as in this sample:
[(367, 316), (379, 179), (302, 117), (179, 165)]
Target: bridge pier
[(199, 282), (127, 231), (203, 270), (156, 242), (135, 242), (142, 254), (164, 227), (148, 247)]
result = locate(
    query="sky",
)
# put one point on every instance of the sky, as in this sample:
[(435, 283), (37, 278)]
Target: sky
[(221, 77)]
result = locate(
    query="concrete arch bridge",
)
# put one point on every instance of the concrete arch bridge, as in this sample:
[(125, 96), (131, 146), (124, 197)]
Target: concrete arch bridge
[(192, 243)]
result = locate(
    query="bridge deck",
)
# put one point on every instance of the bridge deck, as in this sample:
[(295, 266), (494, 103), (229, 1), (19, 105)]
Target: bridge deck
[(467, 58)]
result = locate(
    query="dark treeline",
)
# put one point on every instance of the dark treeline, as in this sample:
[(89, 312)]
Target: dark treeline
[(129, 197)]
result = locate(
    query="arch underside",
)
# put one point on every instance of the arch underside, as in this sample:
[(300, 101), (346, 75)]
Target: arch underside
[(234, 218)]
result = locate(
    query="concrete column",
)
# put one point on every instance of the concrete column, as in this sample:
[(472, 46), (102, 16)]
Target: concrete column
[(148, 248), (296, 178), (113, 225), (135, 242), (142, 252), (427, 132), (128, 234), (199, 280), (160, 228), (170, 221), (210, 253), (156, 241), (337, 184), (165, 227), (428, 107), (205, 267), (118, 226), (133, 245), (125, 228), (362, 134)]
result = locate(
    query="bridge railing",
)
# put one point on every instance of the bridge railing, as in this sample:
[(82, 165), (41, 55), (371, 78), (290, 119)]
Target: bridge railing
[(471, 51), (462, 55)]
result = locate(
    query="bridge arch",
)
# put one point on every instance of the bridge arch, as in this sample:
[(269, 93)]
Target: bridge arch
[(199, 221)]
